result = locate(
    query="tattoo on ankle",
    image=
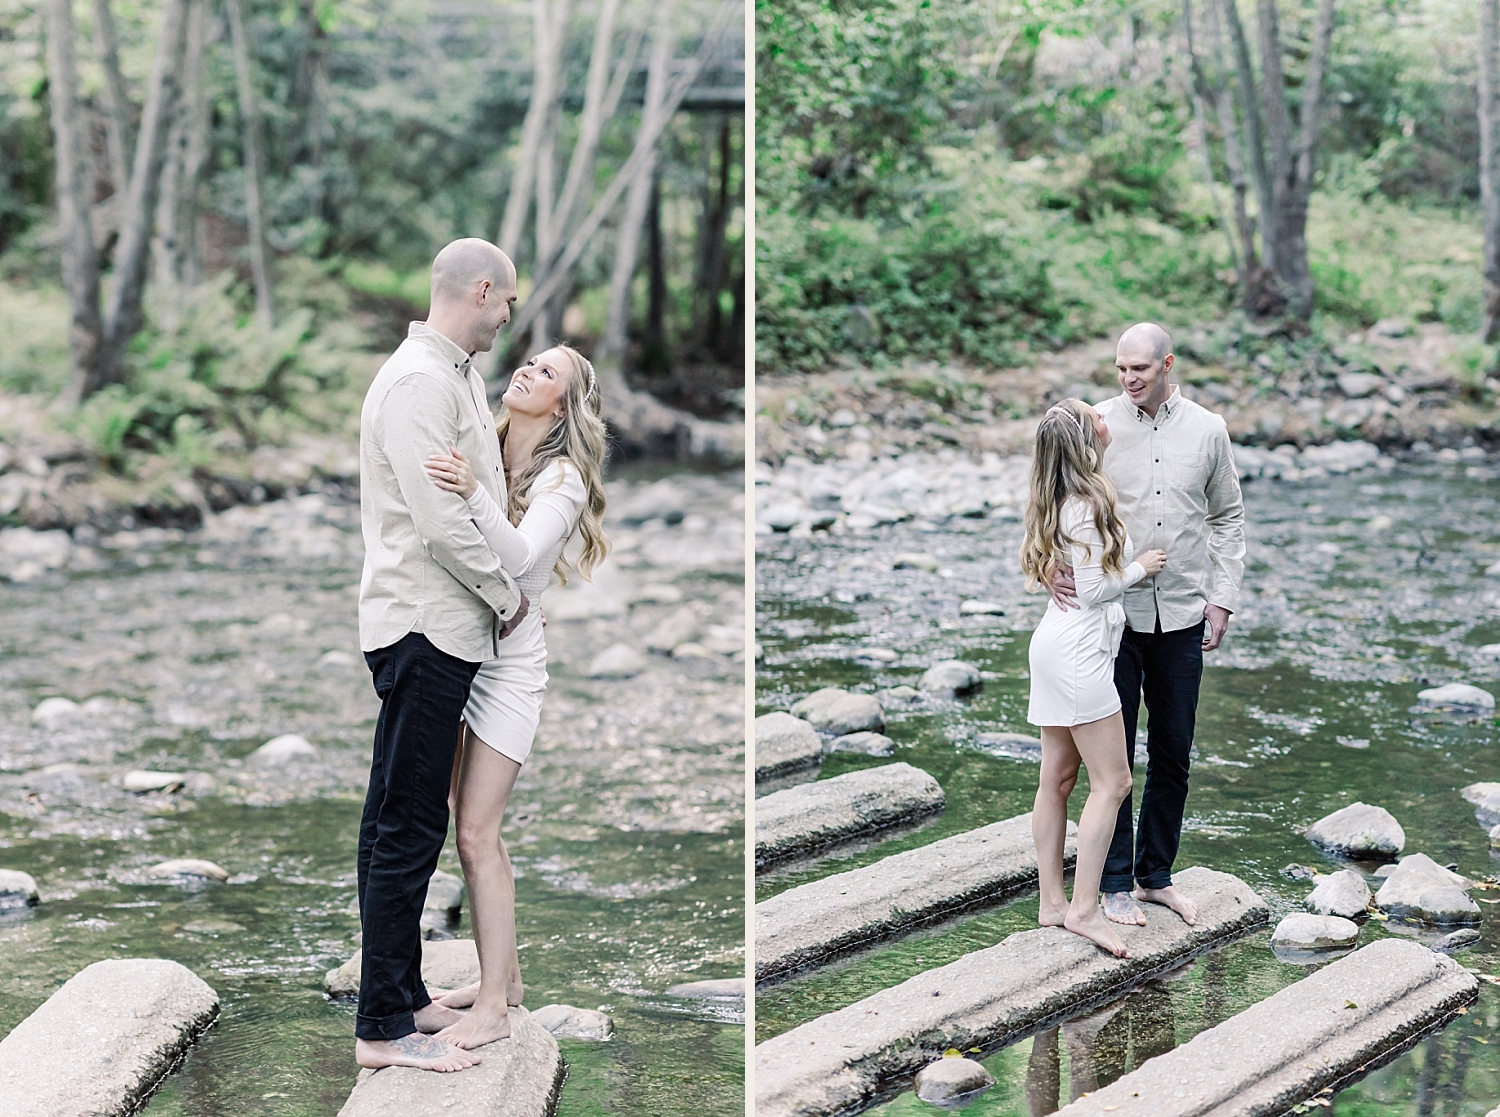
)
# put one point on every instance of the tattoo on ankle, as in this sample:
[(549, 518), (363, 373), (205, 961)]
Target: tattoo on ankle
[(418, 1046)]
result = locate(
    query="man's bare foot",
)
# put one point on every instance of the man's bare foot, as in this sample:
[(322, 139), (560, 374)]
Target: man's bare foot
[(1173, 899), (463, 998), (1120, 907), (480, 1025), (435, 1017), (415, 1050), (1052, 914), (1096, 928)]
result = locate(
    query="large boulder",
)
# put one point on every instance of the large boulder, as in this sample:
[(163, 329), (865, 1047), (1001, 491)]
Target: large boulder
[(1360, 831), (951, 676), (1344, 894), (1421, 889), (783, 744), (1301, 931), (837, 711)]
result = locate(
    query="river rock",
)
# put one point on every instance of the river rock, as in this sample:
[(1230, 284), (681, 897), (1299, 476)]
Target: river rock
[(283, 750), (49, 710), (1014, 746), (1495, 836), (663, 500), (952, 1082), (1300, 931), (713, 989), (782, 516), (574, 1023), (1454, 941), (141, 781), (1358, 385), (124, 1023), (785, 744), (1420, 889), (445, 896), (866, 743), (446, 964), (899, 696), (17, 890), (1360, 831), (981, 609), (618, 661), (1486, 800), (1459, 697), (1344, 894), (801, 820), (951, 676), (915, 561), (837, 711), (678, 627), (188, 867), (212, 927)]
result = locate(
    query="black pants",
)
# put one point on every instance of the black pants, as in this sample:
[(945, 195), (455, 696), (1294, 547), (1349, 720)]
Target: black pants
[(1166, 667), (422, 695)]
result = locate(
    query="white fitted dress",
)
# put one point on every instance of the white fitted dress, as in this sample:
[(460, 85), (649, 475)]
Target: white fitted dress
[(1073, 651), (505, 700)]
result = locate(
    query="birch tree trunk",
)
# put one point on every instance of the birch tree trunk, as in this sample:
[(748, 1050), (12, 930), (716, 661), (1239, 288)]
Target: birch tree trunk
[(260, 269), (1489, 148), (80, 259), (1199, 91), (195, 147), (118, 139), (176, 209), (1250, 108), (1251, 274), (545, 68)]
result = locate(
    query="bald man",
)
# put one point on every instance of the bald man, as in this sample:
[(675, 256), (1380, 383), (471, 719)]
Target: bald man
[(434, 603), (1172, 466)]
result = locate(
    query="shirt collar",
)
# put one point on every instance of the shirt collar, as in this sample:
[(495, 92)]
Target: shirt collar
[(1165, 411), (441, 344)]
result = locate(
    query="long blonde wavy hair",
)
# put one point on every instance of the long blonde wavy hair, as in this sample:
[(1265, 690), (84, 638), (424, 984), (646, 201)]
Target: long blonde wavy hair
[(579, 438), (1068, 462)]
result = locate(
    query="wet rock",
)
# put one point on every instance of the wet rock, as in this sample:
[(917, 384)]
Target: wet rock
[(618, 661), (446, 964), (574, 1023), (1298, 872), (661, 500), (869, 744), (1300, 931), (1486, 800), (915, 560), (783, 516), (1422, 890), (952, 1082), (800, 820), (1343, 894), (1014, 746), (1495, 836), (337, 658), (50, 710), (445, 897), (140, 1016), (1359, 830), (17, 890), (899, 696), (1358, 385), (951, 676), (876, 655), (212, 927), (1458, 697), (188, 867), (723, 639), (283, 750), (677, 628), (714, 989), (981, 609), (837, 711), (1454, 941), (785, 744), (140, 781)]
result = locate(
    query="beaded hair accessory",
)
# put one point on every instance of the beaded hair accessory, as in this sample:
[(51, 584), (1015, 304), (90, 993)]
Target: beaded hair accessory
[(1072, 418), (588, 364)]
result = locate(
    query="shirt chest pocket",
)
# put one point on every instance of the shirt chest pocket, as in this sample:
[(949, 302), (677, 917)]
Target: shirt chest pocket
[(1187, 473)]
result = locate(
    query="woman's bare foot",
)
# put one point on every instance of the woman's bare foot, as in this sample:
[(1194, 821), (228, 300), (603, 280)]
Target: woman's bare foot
[(514, 992), (480, 1025), (415, 1050), (1051, 913), (459, 998), (435, 1017), (1173, 899), (1096, 928), (1120, 907)]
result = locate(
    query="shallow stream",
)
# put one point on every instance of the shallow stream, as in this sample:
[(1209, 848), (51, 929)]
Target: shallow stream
[(1359, 591)]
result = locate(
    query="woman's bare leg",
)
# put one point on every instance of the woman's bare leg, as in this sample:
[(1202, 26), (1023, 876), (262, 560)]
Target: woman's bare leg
[(1101, 744), (1049, 820), (484, 787)]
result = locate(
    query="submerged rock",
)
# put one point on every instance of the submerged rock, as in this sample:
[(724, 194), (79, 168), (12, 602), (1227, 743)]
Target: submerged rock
[(1423, 890), (574, 1023), (1015, 746), (899, 696), (952, 1081), (981, 609), (283, 750), (716, 989), (141, 781), (951, 676), (1359, 830), (1300, 931), (837, 711), (1459, 697), (864, 742), (1454, 941), (1298, 872), (1343, 893), (17, 890), (188, 867), (915, 561)]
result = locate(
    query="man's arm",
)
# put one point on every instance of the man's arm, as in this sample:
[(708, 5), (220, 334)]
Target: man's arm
[(1226, 540), (415, 424)]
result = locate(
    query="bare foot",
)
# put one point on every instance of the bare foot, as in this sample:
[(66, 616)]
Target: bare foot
[(1172, 899), (463, 998), (514, 992), (1096, 928), (415, 1050), (1051, 913), (1120, 907), (480, 1025), (435, 1017)]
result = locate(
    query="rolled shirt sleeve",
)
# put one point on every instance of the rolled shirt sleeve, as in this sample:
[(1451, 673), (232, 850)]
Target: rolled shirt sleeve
[(1226, 526)]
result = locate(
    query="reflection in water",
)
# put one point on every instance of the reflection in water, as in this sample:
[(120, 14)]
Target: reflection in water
[(1101, 1047)]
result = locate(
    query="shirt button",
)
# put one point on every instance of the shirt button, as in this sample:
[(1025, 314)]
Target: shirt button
[(1158, 459), (1158, 492)]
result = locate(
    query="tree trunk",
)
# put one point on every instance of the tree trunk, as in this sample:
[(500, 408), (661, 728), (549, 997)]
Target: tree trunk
[(655, 357), (546, 229), (1234, 158), (1250, 108), (260, 270), (712, 256), (1198, 92), (80, 259), (545, 66), (117, 106), (1489, 149), (195, 147), (1292, 271), (124, 318)]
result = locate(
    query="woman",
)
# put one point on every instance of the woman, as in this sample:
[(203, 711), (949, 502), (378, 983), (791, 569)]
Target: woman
[(1071, 520), (552, 442)]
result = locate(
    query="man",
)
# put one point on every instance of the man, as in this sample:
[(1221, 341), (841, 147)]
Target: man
[(432, 602), (1171, 463)]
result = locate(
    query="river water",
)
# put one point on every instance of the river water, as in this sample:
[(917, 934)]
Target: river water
[(187, 652), (1359, 591)]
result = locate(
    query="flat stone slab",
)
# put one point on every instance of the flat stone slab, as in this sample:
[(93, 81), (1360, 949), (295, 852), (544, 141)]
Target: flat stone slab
[(815, 922), (1311, 1035), (124, 1024), (849, 1059), (803, 819), (1359, 830), (518, 1077), (785, 744)]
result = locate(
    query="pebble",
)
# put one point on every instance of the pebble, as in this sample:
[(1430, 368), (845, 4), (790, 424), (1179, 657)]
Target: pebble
[(1460, 697), (618, 661), (981, 609), (1454, 941), (49, 710), (568, 1022), (17, 890), (870, 744), (1300, 931), (952, 1081), (837, 711), (717, 989), (1343, 893), (141, 781), (915, 561), (188, 867), (952, 677), (1014, 746), (283, 750), (1422, 890), (1359, 830)]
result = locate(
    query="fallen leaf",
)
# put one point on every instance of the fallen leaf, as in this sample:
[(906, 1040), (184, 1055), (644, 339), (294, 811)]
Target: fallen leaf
[(1463, 1010), (1491, 978), (953, 1053), (973, 1051), (1481, 1039), (1350, 1004)]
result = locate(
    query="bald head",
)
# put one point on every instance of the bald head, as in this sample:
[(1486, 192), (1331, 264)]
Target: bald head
[(1147, 338), (473, 287), (1144, 360), (463, 264)]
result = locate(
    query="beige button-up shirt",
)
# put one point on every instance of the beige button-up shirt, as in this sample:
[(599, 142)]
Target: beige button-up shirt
[(1179, 492), (427, 567)]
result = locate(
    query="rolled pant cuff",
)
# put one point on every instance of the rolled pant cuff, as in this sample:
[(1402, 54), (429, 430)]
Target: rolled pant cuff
[(384, 1027), (1116, 884), (1156, 880)]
